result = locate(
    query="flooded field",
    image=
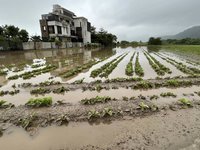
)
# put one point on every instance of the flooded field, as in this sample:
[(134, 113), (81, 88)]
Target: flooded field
[(50, 87)]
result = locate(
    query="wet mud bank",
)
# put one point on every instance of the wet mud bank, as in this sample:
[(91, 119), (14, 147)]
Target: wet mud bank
[(165, 129)]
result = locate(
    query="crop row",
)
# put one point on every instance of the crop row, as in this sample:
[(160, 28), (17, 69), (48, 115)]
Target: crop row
[(98, 71), (129, 67), (78, 69), (106, 72), (157, 66), (194, 70), (34, 73), (138, 69), (179, 66)]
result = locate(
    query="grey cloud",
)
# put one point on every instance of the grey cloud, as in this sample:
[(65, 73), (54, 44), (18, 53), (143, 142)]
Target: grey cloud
[(128, 19)]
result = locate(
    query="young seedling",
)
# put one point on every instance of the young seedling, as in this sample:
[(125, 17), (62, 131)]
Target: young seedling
[(168, 94), (93, 114), (185, 102), (143, 106), (107, 112), (154, 97)]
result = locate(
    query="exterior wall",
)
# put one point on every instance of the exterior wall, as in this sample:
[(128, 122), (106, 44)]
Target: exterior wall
[(83, 23), (28, 45)]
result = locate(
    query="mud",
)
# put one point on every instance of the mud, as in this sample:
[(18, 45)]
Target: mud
[(165, 130)]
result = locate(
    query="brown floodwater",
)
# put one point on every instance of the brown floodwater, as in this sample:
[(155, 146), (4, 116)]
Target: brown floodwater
[(171, 130), (76, 96)]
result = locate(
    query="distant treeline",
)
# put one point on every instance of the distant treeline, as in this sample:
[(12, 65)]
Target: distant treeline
[(133, 43), (186, 41)]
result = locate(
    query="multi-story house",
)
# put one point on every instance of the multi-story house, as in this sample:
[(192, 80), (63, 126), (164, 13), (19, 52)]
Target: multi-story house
[(63, 24)]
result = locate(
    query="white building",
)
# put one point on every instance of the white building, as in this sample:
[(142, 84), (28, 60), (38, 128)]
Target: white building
[(64, 24)]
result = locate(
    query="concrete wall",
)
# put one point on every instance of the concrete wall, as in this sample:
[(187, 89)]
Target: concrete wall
[(49, 45)]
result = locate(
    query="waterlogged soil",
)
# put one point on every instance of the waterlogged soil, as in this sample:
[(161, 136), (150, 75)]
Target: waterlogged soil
[(167, 130), (164, 124)]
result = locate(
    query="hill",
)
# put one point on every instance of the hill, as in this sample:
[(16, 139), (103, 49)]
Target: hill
[(193, 32)]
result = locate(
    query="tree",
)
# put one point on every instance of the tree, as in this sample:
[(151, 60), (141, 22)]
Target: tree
[(1, 31), (154, 41), (23, 35), (36, 38), (11, 31), (103, 37)]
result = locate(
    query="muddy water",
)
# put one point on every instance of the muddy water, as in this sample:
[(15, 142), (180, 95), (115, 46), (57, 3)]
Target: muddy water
[(119, 71), (178, 59), (167, 130), (65, 59), (53, 138), (75, 97), (175, 71), (149, 73)]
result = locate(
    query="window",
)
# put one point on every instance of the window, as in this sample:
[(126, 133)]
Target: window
[(59, 29), (80, 24), (51, 30), (44, 28)]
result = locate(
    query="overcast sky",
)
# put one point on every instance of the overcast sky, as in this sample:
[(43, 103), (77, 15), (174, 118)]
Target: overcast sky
[(128, 19)]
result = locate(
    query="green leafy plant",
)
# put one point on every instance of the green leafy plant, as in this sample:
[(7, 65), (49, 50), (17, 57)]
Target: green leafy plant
[(168, 94), (138, 69), (40, 102), (93, 114), (143, 106), (107, 112), (185, 102), (95, 100)]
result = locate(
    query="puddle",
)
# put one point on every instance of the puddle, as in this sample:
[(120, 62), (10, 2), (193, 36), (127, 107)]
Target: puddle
[(56, 138)]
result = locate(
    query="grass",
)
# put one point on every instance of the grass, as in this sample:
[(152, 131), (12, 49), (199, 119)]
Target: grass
[(138, 69), (183, 49), (39, 102)]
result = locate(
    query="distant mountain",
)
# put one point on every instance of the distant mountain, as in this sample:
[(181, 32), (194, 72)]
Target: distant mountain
[(193, 32)]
